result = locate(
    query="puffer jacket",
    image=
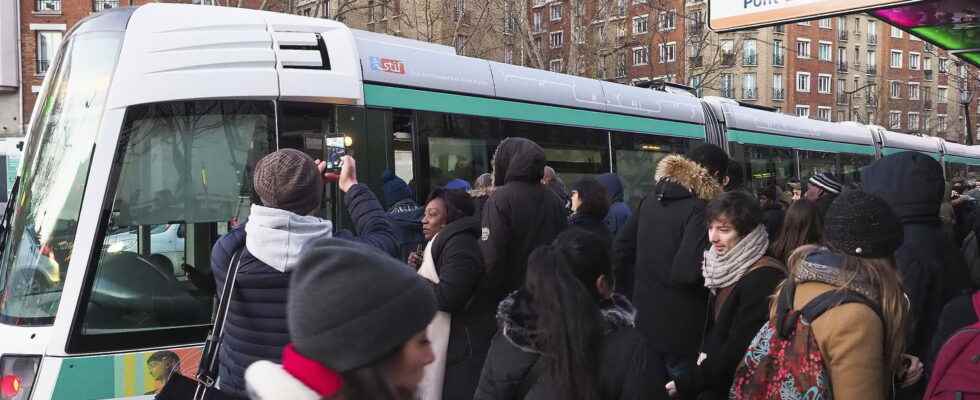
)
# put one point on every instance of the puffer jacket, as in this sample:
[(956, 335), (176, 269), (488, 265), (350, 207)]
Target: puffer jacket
[(664, 242), (619, 212), (255, 328), (912, 184), (622, 371), (520, 215)]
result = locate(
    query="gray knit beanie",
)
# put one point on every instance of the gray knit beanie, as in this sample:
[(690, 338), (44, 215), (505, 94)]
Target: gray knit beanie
[(288, 180), (351, 305)]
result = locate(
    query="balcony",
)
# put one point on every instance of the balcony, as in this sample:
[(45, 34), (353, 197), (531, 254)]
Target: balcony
[(871, 100), (48, 6), (695, 61), (696, 28), (842, 66), (872, 39), (841, 99), (749, 94), (872, 70), (750, 59), (728, 92), (778, 93), (728, 59), (928, 74), (778, 60), (842, 35), (101, 5), (927, 104)]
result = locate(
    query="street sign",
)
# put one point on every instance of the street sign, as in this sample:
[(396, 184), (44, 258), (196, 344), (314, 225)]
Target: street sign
[(730, 15)]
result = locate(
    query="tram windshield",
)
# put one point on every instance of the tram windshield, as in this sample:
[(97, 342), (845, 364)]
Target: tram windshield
[(45, 214)]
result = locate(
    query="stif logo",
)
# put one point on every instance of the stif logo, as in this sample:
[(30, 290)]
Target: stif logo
[(387, 65)]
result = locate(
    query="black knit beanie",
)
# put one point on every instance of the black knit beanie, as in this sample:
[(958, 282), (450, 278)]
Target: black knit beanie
[(862, 225), (351, 305), (288, 180)]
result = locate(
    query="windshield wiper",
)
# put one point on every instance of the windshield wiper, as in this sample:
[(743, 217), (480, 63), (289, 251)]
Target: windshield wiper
[(5, 223)]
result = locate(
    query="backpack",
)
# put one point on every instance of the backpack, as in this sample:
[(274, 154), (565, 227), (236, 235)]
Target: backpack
[(957, 367), (784, 361)]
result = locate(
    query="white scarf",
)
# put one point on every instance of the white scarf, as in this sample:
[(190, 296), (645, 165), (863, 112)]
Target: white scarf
[(725, 269), (438, 334)]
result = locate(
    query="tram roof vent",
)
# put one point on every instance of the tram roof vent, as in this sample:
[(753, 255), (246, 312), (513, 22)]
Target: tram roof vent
[(302, 50)]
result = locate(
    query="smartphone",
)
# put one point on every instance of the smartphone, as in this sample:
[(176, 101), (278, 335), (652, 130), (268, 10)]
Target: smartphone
[(335, 148)]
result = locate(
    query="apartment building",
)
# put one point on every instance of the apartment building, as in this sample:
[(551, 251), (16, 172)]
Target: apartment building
[(10, 122)]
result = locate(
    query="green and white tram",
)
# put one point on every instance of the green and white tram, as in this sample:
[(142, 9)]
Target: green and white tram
[(150, 121)]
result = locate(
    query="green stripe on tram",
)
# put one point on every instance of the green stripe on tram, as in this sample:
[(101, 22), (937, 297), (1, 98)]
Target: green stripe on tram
[(396, 97), (766, 139), (962, 160)]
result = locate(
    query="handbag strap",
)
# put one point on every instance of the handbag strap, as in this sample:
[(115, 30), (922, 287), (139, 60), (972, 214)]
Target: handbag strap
[(207, 370)]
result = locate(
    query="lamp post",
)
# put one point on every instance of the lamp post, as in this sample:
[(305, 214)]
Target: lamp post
[(966, 97)]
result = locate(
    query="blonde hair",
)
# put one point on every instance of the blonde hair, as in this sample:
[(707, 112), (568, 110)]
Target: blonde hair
[(883, 280)]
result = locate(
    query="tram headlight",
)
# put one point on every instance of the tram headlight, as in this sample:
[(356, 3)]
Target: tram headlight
[(17, 375)]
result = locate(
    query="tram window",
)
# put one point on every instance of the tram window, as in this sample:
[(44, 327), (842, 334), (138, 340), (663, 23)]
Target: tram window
[(956, 171), (304, 127), (44, 218), (816, 162), (574, 153), (401, 145), (182, 165), (973, 172), (636, 158), (851, 165), (459, 147), (768, 165)]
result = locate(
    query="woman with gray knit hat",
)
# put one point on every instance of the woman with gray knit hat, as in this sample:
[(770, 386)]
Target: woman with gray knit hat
[(861, 340), (290, 185), (357, 329)]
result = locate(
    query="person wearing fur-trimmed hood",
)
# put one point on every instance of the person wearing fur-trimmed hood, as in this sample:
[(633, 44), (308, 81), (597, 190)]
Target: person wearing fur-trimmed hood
[(663, 243)]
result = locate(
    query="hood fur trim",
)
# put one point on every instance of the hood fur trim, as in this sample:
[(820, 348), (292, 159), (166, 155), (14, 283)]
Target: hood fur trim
[(689, 174)]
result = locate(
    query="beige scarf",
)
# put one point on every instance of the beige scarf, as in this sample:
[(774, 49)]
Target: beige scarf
[(723, 270)]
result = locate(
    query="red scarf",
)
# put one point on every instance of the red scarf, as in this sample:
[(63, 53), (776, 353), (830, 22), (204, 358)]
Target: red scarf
[(314, 375)]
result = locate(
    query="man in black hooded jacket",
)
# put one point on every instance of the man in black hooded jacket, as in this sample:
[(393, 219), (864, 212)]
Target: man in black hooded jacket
[(520, 215), (912, 184), (664, 243)]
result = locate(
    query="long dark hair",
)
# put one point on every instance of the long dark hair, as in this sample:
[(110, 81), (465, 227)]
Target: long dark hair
[(568, 317), (371, 383), (802, 225)]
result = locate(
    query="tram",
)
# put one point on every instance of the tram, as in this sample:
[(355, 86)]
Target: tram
[(149, 123)]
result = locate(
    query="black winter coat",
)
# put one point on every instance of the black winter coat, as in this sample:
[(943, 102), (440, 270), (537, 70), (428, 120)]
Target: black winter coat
[(745, 310), (622, 371), (663, 243), (520, 215), (457, 258), (958, 314), (255, 328), (913, 185), (592, 224)]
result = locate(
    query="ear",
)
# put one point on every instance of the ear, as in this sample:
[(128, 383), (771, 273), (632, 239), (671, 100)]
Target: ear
[(604, 287), (725, 181)]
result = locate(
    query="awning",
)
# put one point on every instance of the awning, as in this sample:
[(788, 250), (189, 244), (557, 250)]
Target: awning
[(953, 25)]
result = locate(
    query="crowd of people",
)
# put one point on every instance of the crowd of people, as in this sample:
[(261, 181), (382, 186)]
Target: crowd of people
[(516, 286)]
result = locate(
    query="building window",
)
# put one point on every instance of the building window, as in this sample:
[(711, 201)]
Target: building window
[(872, 32), (914, 91), (803, 111), (842, 58), (509, 56), (824, 23), (620, 7), (667, 20), (896, 33), (927, 64), (49, 6), (536, 21), (727, 85), (554, 65), (749, 87), (943, 66), (823, 113), (913, 60), (777, 52), (695, 82), (941, 95), (641, 56), (823, 83), (778, 93), (941, 121), (556, 12), (825, 51), (896, 89), (872, 60), (803, 82), (48, 43), (579, 35), (840, 116), (640, 24), (102, 5), (460, 9), (667, 52), (913, 121), (621, 65), (557, 39), (896, 59), (803, 48), (749, 54), (894, 120)]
